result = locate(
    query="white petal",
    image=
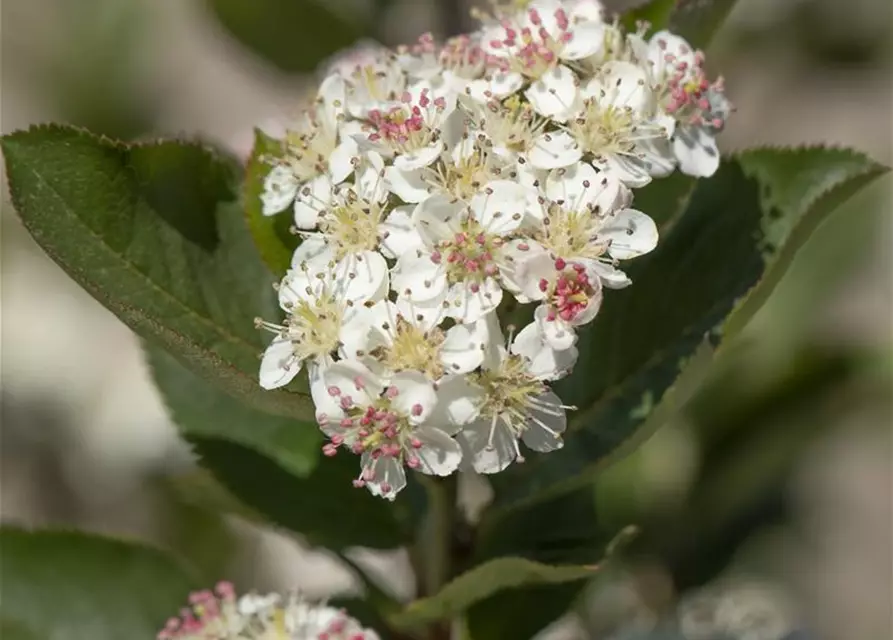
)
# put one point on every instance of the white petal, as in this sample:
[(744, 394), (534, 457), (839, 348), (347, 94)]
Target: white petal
[(314, 252), (630, 170), (419, 158), (574, 187), (418, 277), (424, 315), (625, 85), (556, 333), (438, 218), (554, 94), (362, 276), (407, 185), (324, 404), (631, 233), (398, 233), (370, 183), (554, 150), (356, 334), (279, 365), (544, 362), (388, 476), (332, 94), (546, 425), (514, 253), (611, 276), (312, 198), (351, 382), (538, 266), (696, 151), (439, 454), (468, 305), (458, 403), (463, 349), (488, 454), (502, 84), (663, 43), (280, 188), (501, 207), (340, 161), (587, 39), (415, 395)]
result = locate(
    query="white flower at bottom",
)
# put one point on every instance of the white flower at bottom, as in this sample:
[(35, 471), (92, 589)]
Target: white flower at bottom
[(514, 402), (386, 425), (220, 615)]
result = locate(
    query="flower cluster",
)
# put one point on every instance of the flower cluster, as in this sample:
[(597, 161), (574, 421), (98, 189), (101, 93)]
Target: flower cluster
[(436, 185), (220, 615)]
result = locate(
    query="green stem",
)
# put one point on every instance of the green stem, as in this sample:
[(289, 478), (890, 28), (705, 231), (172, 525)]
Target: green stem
[(435, 542)]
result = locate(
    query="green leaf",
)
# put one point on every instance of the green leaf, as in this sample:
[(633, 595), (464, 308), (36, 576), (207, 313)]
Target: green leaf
[(61, 585), (293, 35), (271, 233), (655, 12), (10, 630), (324, 506), (154, 233), (739, 226), (483, 581), (522, 612), (698, 20), (200, 409)]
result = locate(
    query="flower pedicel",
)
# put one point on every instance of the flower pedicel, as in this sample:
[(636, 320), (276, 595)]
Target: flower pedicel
[(432, 185)]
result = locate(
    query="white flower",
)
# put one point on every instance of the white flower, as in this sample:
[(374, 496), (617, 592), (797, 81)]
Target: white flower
[(322, 319), (375, 85), (586, 221), (698, 106), (465, 251), (408, 337), (315, 154), (461, 171), (612, 127), (514, 402), (346, 61), (356, 231), (219, 615), (571, 297), (410, 131), (387, 424), (451, 67), (530, 47)]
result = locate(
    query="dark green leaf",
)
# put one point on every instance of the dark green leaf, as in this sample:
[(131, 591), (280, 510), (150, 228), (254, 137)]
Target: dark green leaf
[(521, 613), (698, 20), (483, 581), (710, 258), (655, 12), (665, 200), (72, 586), (294, 35), (154, 233), (324, 506), (271, 233), (200, 409)]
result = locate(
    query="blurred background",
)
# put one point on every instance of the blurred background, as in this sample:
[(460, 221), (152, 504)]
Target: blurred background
[(764, 501)]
